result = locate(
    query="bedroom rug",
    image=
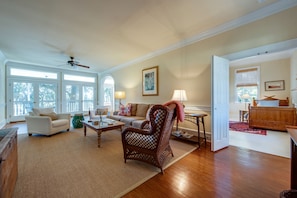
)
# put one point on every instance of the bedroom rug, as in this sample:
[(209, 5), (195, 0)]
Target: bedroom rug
[(71, 165), (244, 127)]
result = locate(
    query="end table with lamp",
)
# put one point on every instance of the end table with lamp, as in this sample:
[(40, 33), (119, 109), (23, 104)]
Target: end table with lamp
[(179, 95), (245, 97), (242, 115)]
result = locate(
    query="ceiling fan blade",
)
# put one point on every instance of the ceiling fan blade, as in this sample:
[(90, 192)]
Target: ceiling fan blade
[(82, 66)]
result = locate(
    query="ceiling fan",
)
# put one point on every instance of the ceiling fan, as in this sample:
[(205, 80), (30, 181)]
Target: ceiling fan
[(74, 63)]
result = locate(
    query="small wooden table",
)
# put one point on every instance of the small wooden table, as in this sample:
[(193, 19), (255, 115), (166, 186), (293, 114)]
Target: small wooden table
[(241, 115), (106, 125), (196, 118), (200, 119)]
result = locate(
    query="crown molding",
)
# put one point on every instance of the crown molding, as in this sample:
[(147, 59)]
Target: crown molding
[(268, 51), (251, 17)]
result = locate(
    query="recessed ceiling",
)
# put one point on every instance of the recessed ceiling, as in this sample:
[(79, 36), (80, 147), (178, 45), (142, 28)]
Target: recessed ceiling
[(104, 34)]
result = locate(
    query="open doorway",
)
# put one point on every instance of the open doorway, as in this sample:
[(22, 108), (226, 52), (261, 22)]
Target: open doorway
[(271, 66)]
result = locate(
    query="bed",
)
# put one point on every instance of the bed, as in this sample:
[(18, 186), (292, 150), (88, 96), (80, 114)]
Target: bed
[(271, 113)]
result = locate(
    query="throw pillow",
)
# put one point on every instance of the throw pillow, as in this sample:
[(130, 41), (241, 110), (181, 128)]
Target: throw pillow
[(101, 111), (38, 111), (122, 111), (129, 110), (125, 111), (52, 115)]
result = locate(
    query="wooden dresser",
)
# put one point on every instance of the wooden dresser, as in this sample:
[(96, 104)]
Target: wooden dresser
[(273, 118), (8, 161)]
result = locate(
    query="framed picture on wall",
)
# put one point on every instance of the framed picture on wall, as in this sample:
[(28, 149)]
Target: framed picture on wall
[(274, 85), (150, 81)]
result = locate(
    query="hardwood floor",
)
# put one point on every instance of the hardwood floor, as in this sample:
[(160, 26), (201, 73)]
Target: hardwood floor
[(231, 172)]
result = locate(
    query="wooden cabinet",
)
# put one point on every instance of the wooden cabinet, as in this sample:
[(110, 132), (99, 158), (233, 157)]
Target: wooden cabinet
[(273, 118), (8, 161)]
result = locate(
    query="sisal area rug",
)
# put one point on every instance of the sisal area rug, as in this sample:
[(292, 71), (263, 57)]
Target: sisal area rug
[(71, 165), (244, 127)]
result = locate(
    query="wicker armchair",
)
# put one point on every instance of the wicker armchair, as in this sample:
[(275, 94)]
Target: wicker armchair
[(151, 145)]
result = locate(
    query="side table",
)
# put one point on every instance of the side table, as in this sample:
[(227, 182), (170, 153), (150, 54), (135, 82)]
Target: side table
[(196, 119), (241, 115), (77, 120), (200, 119)]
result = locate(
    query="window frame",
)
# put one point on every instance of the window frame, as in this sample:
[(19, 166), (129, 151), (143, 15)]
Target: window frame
[(257, 83)]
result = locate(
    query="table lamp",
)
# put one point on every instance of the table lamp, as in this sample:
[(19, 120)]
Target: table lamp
[(120, 95), (245, 97), (179, 95)]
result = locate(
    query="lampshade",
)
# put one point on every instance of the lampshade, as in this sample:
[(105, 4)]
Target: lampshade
[(179, 95), (120, 95), (245, 96)]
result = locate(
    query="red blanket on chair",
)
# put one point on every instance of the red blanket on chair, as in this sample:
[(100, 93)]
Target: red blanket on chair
[(180, 113)]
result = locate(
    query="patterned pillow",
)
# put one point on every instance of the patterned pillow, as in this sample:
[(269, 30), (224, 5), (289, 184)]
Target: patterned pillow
[(129, 109), (125, 111), (122, 111), (52, 115)]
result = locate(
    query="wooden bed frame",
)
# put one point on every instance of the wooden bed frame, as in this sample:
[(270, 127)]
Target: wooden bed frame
[(273, 118)]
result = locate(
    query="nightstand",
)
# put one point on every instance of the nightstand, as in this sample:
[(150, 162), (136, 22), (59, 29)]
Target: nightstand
[(241, 115)]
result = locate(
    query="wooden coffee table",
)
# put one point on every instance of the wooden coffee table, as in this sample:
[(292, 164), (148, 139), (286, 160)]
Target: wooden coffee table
[(106, 125)]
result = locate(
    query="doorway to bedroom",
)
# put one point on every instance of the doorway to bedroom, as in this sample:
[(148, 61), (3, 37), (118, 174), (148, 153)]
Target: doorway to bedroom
[(274, 66)]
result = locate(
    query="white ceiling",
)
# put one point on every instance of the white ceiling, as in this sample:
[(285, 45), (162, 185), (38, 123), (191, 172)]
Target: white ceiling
[(105, 34)]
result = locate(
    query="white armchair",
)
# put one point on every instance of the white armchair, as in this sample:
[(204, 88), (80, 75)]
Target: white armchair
[(45, 121)]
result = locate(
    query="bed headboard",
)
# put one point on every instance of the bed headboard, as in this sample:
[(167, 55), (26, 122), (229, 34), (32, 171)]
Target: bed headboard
[(270, 101)]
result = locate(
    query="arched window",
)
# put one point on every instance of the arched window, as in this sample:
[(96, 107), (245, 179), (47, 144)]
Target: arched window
[(108, 92)]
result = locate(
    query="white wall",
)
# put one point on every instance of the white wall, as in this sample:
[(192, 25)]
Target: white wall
[(294, 78), (2, 90)]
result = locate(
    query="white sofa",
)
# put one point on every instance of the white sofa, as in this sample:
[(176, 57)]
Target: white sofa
[(46, 122), (97, 112)]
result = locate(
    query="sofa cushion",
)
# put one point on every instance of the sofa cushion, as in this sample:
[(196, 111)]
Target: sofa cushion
[(38, 111), (147, 116), (115, 117), (128, 120), (52, 115), (137, 123), (133, 109), (141, 110), (60, 122), (101, 111)]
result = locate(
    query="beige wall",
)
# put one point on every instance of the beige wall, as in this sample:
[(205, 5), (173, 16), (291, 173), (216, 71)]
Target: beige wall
[(189, 68), (294, 78)]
